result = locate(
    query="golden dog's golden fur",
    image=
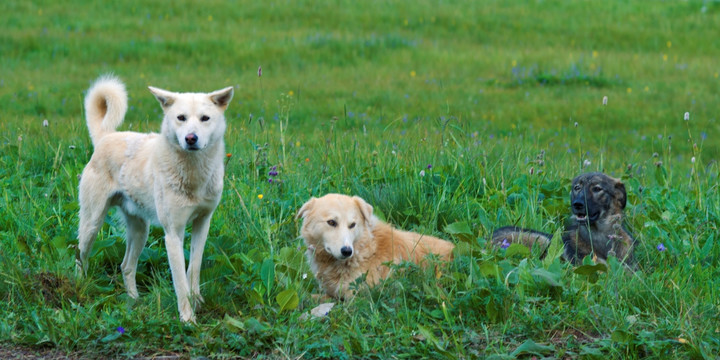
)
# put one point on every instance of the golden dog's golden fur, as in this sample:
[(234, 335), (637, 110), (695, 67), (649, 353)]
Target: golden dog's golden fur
[(345, 240)]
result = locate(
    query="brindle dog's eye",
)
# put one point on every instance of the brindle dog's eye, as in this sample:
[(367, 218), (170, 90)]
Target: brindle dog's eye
[(181, 117), (204, 118), (596, 189), (332, 223), (577, 188), (351, 226)]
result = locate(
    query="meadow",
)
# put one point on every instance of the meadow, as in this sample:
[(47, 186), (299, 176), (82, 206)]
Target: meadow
[(451, 118)]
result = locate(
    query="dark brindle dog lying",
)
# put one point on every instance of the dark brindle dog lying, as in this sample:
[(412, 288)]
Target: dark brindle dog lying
[(597, 228)]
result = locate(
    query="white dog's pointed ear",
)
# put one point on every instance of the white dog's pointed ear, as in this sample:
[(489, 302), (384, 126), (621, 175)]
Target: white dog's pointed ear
[(221, 98), (305, 208), (365, 209), (166, 98)]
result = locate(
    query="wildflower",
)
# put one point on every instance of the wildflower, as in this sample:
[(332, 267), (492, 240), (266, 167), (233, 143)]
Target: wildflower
[(505, 244), (661, 247), (687, 116), (412, 73), (605, 99), (304, 276), (72, 147), (307, 159), (259, 71), (46, 123), (422, 173), (20, 138), (692, 160), (228, 155), (260, 196), (270, 180), (121, 329), (429, 166), (576, 124), (586, 163)]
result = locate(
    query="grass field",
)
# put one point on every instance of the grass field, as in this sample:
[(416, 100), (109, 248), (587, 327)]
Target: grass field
[(498, 103)]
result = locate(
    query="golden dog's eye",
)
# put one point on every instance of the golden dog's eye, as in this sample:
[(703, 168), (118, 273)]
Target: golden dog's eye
[(351, 226), (204, 118), (332, 223), (181, 117)]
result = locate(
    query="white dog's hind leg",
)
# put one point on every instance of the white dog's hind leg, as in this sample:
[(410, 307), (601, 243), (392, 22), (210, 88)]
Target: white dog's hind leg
[(135, 238), (93, 208), (176, 258), (200, 228)]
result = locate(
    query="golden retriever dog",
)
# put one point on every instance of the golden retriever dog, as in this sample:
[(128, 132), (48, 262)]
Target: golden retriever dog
[(345, 240)]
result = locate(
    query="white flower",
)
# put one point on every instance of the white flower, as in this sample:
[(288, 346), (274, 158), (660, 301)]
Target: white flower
[(586, 163), (422, 172), (304, 276), (46, 123), (605, 100), (576, 124), (692, 160), (687, 116)]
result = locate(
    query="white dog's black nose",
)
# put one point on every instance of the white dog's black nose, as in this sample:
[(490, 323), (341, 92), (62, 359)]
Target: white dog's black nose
[(191, 139), (346, 251)]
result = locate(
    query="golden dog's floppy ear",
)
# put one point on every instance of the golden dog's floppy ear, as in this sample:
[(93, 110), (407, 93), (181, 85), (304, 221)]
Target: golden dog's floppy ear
[(620, 193), (305, 208), (365, 209), (166, 98)]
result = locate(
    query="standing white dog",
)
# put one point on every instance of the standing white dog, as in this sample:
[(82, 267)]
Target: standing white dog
[(172, 178)]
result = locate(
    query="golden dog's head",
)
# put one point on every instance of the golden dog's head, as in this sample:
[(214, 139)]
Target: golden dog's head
[(596, 196), (334, 222)]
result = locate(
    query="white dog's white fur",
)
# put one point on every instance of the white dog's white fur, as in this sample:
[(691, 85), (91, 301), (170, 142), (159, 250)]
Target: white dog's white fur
[(171, 179)]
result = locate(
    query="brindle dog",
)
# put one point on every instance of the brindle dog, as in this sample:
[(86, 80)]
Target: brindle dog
[(597, 203)]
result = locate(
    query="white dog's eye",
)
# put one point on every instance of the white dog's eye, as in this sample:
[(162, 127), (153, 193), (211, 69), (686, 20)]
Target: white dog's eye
[(351, 226), (332, 223), (204, 118), (181, 117)]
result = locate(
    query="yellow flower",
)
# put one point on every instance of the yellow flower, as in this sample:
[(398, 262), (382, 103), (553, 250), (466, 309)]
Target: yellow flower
[(514, 63), (594, 54), (210, 18), (664, 57), (629, 90), (682, 340), (669, 44), (260, 196), (412, 73), (290, 93), (647, 88), (297, 143)]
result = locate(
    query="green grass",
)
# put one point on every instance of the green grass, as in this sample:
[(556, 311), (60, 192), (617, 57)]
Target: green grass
[(369, 94)]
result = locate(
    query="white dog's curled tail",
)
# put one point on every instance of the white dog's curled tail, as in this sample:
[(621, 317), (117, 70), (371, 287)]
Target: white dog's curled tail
[(105, 106)]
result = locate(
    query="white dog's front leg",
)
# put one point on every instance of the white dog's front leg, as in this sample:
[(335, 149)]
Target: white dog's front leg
[(200, 228), (176, 258)]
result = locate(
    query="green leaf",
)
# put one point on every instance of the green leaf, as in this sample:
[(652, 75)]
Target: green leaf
[(488, 268), (287, 299), (591, 271), (547, 276), (461, 229), (517, 249), (233, 324), (556, 248), (267, 274), (529, 347)]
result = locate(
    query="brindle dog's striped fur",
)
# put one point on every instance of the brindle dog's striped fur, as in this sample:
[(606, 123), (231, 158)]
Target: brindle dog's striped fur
[(597, 203)]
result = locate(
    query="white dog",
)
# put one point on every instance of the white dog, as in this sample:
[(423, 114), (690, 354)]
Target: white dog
[(171, 179)]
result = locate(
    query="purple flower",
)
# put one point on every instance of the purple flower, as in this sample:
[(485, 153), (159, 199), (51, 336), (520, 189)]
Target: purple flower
[(661, 247), (505, 244), (121, 329), (270, 180), (429, 166), (273, 173)]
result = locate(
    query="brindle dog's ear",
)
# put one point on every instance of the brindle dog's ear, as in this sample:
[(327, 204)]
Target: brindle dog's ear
[(305, 208), (365, 209), (620, 193)]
